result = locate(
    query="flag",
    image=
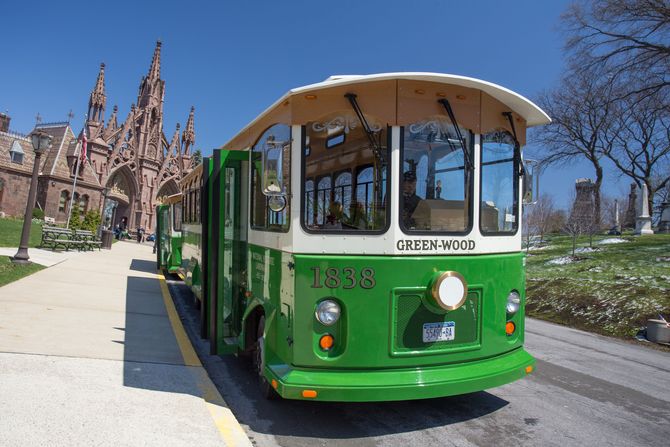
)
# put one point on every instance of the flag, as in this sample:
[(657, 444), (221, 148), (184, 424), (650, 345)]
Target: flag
[(83, 144)]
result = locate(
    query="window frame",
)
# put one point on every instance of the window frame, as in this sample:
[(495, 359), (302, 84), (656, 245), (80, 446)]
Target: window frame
[(471, 193), (515, 182), (252, 193), (387, 201)]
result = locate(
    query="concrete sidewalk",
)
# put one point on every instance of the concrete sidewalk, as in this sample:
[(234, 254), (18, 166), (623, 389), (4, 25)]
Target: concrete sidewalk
[(39, 256), (91, 354)]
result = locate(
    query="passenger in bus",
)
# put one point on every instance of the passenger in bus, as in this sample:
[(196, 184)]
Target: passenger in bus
[(410, 199), (438, 189), (334, 217), (359, 218)]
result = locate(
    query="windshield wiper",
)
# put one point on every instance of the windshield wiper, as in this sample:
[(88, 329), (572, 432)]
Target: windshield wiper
[(354, 105), (517, 145), (450, 113)]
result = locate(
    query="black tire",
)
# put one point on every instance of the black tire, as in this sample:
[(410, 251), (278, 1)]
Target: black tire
[(258, 362)]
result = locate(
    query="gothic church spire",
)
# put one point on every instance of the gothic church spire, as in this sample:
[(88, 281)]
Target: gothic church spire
[(188, 136), (155, 69), (98, 99)]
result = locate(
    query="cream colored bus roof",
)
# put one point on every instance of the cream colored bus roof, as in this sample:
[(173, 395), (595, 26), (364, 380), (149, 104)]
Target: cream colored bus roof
[(523, 107)]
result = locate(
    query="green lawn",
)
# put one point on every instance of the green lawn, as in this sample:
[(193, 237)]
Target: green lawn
[(10, 236), (10, 272), (10, 233), (611, 289)]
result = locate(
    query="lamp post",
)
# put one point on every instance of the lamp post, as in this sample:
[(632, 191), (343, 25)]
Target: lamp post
[(41, 142)]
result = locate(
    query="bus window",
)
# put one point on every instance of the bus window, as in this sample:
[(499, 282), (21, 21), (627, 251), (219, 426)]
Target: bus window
[(309, 216), (436, 187), (176, 216), (270, 178), (499, 184), (345, 175)]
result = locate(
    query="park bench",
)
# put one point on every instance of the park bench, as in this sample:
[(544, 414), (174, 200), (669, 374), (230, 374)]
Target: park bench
[(56, 237), (88, 239)]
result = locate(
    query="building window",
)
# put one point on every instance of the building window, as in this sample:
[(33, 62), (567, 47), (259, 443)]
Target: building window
[(83, 204), (16, 153), (62, 203)]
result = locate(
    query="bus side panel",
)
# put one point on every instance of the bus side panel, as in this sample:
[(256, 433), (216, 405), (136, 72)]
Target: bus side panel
[(271, 277)]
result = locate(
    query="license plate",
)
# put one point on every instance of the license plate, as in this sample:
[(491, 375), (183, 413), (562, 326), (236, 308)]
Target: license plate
[(433, 332)]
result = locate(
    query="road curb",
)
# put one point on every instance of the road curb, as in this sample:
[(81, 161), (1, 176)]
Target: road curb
[(229, 428)]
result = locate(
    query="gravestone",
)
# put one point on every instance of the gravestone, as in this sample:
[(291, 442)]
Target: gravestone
[(664, 225), (643, 221), (629, 218)]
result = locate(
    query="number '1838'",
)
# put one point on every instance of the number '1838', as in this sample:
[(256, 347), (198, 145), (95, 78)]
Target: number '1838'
[(347, 278)]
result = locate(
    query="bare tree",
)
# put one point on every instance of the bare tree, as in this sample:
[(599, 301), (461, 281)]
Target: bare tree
[(581, 113), (540, 215), (529, 227), (638, 141), (629, 38)]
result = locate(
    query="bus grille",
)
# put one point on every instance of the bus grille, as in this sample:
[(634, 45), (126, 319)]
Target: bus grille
[(411, 313)]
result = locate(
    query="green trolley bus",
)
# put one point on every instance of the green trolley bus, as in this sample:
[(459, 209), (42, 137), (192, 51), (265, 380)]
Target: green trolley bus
[(361, 239), (168, 234)]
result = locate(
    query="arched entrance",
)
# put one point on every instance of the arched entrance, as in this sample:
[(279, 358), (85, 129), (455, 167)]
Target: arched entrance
[(121, 193), (167, 189)]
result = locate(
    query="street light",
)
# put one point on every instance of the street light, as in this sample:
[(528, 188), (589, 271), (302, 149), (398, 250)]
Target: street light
[(41, 142)]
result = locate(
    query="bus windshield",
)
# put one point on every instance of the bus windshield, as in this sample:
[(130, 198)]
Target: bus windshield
[(435, 185), (345, 179)]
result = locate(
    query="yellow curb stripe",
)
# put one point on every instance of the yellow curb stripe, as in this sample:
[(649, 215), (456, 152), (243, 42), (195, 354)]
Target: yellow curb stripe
[(185, 346), (224, 420)]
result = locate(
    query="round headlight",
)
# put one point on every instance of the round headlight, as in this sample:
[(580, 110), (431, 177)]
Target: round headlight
[(449, 290), (328, 312), (513, 302)]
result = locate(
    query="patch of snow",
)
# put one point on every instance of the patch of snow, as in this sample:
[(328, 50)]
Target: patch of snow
[(585, 250), (561, 261), (612, 240)]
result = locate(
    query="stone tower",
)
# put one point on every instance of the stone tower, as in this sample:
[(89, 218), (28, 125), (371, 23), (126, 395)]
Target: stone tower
[(133, 160), (584, 205)]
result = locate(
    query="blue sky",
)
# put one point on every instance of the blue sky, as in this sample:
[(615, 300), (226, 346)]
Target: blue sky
[(233, 59)]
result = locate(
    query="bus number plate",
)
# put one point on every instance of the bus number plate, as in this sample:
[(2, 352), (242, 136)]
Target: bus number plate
[(433, 332)]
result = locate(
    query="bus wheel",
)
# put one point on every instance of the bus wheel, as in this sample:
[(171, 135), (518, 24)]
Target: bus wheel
[(258, 359)]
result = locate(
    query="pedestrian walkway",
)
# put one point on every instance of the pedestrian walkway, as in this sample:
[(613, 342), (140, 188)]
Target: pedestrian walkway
[(93, 353), (39, 256)]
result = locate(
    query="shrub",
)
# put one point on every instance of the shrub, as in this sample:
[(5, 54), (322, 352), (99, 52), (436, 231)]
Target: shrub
[(91, 221), (75, 220), (38, 214)]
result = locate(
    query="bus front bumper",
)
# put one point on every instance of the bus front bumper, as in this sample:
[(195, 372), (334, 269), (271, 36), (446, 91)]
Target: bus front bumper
[(399, 384)]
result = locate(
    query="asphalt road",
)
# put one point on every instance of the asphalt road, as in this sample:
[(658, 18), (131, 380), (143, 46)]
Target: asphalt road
[(586, 390)]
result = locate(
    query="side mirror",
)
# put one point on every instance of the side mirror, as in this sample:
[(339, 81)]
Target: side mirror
[(273, 175), (531, 182)]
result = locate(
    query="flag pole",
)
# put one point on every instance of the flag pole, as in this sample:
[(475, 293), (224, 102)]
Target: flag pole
[(77, 152)]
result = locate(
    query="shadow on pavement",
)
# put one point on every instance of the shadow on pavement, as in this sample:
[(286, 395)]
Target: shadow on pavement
[(141, 265), (152, 359), (302, 420)]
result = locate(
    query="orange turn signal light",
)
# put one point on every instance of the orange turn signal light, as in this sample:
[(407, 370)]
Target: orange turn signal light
[(274, 384), (310, 394), (326, 342), (529, 369), (510, 328)]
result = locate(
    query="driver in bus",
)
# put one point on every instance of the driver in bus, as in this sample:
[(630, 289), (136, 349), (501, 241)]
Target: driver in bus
[(410, 199)]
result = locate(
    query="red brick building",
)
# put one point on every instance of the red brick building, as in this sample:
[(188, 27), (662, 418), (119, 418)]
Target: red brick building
[(129, 166)]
